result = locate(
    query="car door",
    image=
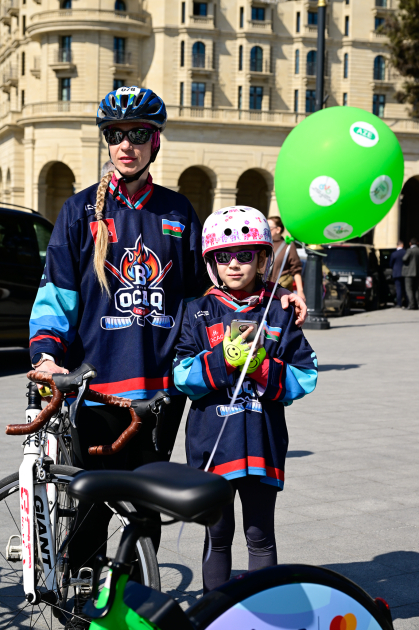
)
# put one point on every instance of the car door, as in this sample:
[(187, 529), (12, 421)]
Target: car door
[(20, 272)]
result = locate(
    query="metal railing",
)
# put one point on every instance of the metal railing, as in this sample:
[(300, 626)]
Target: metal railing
[(63, 55), (121, 57), (311, 68), (10, 75)]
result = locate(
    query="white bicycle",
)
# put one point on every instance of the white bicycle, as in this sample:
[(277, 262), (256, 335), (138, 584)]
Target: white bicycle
[(38, 518)]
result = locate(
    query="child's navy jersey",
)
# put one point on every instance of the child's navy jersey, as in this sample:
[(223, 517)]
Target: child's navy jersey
[(153, 264), (255, 440)]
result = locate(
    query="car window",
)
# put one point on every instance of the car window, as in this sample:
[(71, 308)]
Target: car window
[(43, 234), (346, 258), (16, 246)]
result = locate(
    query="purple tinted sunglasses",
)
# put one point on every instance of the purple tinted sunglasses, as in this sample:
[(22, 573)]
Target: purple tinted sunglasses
[(244, 257)]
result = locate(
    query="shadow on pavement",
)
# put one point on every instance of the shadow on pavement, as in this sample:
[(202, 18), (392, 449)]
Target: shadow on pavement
[(291, 454), (393, 576), (337, 366), (176, 579), (14, 361)]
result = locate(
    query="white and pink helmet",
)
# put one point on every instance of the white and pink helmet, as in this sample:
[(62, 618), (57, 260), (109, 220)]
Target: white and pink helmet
[(235, 225)]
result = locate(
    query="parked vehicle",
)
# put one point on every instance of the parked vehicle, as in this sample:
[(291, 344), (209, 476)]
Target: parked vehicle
[(389, 289), (356, 266), (24, 237)]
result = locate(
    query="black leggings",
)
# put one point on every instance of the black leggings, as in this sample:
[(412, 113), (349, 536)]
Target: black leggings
[(103, 425), (258, 504)]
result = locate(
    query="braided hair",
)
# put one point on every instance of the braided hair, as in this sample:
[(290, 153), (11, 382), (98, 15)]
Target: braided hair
[(102, 236)]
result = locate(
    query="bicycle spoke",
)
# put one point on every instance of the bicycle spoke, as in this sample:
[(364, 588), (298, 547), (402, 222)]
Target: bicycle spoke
[(13, 518), (6, 560), (17, 615), (94, 554)]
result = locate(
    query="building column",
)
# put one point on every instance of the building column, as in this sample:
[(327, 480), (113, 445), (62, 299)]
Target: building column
[(29, 182), (386, 233), (224, 197), (272, 204)]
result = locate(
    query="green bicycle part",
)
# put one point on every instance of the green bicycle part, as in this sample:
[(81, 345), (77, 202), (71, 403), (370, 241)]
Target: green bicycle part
[(120, 617)]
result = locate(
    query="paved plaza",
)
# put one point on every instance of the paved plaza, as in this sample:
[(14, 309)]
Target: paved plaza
[(351, 498)]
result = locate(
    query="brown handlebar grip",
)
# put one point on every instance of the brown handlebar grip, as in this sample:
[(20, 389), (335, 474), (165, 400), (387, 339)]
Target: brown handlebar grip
[(107, 399), (123, 439), (46, 414)]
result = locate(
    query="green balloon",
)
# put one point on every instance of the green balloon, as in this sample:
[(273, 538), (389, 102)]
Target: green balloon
[(338, 174)]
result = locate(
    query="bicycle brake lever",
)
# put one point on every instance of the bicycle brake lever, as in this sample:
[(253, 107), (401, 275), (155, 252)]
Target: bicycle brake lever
[(74, 407)]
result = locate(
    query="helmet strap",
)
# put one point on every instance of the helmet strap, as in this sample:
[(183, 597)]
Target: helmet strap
[(137, 175)]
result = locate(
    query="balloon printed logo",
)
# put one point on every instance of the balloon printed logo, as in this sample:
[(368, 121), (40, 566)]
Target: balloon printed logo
[(348, 622), (364, 134), (338, 231), (324, 190), (381, 189)]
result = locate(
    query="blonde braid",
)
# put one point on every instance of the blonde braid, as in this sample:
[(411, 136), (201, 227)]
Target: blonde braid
[(102, 237)]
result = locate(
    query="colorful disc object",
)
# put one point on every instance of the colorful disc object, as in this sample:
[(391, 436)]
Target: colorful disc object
[(338, 174)]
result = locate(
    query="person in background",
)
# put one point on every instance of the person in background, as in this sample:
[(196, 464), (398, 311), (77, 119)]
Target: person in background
[(293, 266), (410, 272), (396, 264)]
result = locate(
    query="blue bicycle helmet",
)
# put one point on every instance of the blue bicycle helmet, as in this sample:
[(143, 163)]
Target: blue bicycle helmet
[(128, 104)]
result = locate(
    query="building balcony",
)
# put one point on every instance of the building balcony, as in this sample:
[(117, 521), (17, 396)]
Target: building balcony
[(201, 64), (63, 62), (58, 110), (202, 21), (36, 67), (69, 20), (122, 63), (9, 79), (384, 84), (263, 25)]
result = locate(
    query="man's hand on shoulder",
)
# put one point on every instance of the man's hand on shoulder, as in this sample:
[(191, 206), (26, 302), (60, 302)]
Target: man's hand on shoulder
[(300, 307)]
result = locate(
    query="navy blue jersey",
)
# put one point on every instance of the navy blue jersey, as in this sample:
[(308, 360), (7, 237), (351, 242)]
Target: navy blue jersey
[(153, 265), (255, 440)]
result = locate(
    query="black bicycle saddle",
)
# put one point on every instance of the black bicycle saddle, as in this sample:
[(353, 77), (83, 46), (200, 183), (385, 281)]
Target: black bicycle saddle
[(184, 493)]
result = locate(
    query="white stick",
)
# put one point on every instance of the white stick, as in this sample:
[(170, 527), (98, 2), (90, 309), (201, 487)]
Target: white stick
[(249, 358)]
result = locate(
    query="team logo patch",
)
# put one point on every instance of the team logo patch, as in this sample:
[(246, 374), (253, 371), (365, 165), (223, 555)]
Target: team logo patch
[(215, 334), (140, 297), (247, 400), (172, 228), (271, 332), (110, 224)]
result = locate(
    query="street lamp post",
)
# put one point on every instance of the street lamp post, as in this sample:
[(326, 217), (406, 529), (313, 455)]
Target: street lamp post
[(313, 272)]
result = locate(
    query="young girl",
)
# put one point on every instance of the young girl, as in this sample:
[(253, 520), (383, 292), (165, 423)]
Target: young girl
[(236, 243)]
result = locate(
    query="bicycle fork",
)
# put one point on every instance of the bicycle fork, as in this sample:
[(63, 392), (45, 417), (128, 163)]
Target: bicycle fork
[(34, 503)]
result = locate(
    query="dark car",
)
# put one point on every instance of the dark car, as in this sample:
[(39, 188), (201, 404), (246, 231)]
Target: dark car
[(389, 289), (24, 237), (356, 265)]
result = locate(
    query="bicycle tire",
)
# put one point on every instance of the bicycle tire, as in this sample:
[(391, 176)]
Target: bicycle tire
[(289, 596), (11, 589)]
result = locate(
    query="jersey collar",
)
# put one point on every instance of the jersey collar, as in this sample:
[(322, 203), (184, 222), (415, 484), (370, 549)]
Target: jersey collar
[(139, 199)]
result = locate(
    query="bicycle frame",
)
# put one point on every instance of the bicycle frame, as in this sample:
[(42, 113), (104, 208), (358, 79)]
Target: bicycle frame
[(38, 501)]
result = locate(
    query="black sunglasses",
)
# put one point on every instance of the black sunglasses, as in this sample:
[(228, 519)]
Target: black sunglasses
[(244, 257), (139, 135)]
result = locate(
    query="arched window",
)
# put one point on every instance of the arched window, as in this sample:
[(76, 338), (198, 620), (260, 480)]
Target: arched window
[(256, 59), (297, 62), (120, 5), (66, 4), (311, 63), (379, 68), (198, 55)]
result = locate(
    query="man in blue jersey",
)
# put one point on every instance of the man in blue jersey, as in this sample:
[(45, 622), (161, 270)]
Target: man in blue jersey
[(124, 257)]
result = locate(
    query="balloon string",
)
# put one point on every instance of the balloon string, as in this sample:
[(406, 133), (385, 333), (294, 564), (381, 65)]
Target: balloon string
[(247, 363)]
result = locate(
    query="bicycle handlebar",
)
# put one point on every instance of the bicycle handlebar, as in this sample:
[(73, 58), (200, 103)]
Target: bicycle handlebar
[(57, 397)]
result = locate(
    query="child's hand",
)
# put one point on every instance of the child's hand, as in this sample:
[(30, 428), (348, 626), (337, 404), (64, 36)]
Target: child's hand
[(236, 351), (257, 359)]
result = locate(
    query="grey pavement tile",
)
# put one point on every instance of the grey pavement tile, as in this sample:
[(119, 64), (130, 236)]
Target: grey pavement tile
[(323, 511)]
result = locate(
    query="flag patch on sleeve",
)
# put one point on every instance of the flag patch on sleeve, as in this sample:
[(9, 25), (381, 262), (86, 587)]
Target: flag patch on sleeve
[(271, 332), (172, 228)]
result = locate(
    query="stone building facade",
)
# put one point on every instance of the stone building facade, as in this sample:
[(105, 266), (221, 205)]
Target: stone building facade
[(236, 76)]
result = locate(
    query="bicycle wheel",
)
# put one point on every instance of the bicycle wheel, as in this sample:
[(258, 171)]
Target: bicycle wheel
[(15, 611), (290, 596)]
